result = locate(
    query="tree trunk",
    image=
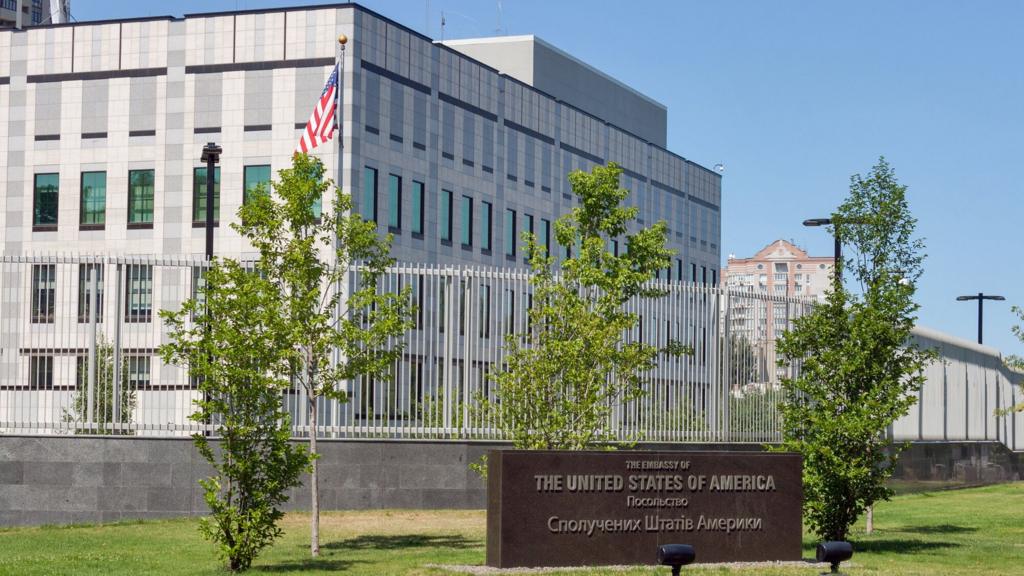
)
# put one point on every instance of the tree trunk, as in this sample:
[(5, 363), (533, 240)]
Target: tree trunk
[(870, 520), (314, 543)]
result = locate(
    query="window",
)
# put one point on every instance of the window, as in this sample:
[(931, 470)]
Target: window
[(510, 232), (41, 372), (703, 274), (417, 207), (394, 203), (693, 273), (256, 181), (44, 288), (444, 222), (485, 311), (510, 311), (466, 209), (545, 236), (369, 207), (140, 196), (44, 209), (199, 195), (138, 372), (442, 300), (317, 209), (485, 229), (93, 208), (88, 274), (138, 292), (679, 270), (528, 227)]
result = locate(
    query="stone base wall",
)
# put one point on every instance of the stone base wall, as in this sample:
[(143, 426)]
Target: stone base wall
[(68, 479)]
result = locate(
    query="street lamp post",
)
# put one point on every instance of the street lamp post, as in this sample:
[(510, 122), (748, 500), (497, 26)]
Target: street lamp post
[(838, 253), (211, 155), (981, 297)]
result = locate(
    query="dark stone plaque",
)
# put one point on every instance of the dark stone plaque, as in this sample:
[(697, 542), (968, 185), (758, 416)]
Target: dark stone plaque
[(554, 508)]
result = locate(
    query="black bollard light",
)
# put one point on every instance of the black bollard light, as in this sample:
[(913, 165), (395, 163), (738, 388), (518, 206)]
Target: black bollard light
[(834, 553), (676, 556)]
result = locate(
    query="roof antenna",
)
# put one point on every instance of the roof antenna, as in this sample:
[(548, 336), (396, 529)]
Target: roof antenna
[(497, 30), (442, 26)]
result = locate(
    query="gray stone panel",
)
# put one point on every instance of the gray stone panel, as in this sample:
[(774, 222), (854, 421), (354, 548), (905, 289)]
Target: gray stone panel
[(125, 478)]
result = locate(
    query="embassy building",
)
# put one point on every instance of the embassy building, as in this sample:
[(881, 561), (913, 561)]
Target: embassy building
[(455, 147)]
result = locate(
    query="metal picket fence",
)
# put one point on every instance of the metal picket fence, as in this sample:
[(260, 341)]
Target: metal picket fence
[(69, 324)]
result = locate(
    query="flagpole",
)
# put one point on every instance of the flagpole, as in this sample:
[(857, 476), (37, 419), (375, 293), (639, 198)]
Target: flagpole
[(342, 287)]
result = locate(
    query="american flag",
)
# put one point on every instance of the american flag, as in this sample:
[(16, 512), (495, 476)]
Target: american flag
[(322, 123)]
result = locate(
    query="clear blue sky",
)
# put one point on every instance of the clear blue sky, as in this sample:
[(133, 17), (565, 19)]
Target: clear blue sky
[(794, 97)]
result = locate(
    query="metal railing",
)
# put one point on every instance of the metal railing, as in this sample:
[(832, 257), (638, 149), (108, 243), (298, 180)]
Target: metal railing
[(68, 324)]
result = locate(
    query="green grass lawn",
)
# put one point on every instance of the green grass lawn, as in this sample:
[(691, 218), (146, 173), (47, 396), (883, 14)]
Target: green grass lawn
[(973, 531)]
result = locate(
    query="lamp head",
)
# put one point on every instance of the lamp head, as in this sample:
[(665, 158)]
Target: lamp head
[(817, 222), (211, 153)]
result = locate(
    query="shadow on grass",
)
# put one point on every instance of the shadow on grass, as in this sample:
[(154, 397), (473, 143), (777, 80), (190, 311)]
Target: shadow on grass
[(938, 529), (328, 564), (900, 546), (377, 542)]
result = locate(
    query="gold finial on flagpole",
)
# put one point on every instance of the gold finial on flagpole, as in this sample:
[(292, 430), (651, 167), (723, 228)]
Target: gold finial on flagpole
[(342, 39)]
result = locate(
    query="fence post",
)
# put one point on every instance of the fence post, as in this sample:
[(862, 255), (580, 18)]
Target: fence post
[(725, 382), (117, 347), (450, 282), (91, 390)]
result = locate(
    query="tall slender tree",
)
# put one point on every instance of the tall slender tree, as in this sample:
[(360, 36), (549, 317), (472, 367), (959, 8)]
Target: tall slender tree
[(859, 371), (334, 331)]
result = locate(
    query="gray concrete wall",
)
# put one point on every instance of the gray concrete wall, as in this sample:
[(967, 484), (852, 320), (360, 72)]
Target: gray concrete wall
[(60, 480), (69, 479)]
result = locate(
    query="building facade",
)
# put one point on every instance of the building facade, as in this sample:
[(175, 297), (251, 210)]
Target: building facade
[(780, 268), (101, 130), (784, 273), (101, 127), (33, 12)]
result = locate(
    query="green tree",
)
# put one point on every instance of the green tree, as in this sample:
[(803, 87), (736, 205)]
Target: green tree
[(103, 394), (234, 350), (329, 335), (564, 375), (858, 370)]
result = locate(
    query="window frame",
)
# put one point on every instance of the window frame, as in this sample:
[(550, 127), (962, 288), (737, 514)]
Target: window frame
[(248, 190), (43, 309), (446, 207), (369, 193), (394, 203), (138, 314), (133, 198), (84, 297), (418, 208), (487, 226), (97, 223), (200, 222), (466, 221), (510, 233), (38, 225)]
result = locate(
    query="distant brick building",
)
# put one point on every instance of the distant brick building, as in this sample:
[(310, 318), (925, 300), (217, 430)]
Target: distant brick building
[(781, 269)]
